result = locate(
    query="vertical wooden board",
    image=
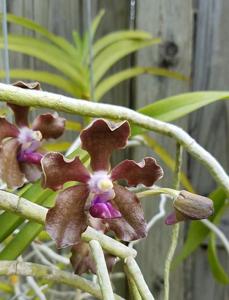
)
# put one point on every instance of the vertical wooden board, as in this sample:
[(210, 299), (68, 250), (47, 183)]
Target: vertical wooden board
[(173, 23), (204, 286), (210, 124), (211, 67)]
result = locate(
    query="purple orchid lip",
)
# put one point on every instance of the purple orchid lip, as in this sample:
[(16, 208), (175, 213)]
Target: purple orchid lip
[(104, 210), (30, 157)]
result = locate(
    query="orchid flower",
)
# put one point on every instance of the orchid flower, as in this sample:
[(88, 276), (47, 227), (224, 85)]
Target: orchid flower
[(98, 194), (20, 153)]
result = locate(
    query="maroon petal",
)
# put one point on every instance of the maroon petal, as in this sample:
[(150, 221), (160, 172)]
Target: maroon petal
[(9, 167), (7, 129), (82, 260), (132, 225), (101, 138), (67, 219), (145, 172), (50, 125), (21, 112), (58, 170)]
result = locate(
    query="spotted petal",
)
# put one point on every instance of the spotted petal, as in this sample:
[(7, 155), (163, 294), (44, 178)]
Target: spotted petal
[(132, 225), (67, 219), (145, 172), (101, 138), (50, 125), (82, 260), (9, 167), (58, 170), (7, 129)]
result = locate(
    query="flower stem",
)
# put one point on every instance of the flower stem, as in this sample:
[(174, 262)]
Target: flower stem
[(37, 213), (25, 97), (134, 293), (135, 272), (176, 228), (101, 270)]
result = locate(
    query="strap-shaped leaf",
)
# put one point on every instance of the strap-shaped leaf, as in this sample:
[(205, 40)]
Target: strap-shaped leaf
[(47, 53), (46, 77), (114, 37), (29, 24), (113, 80)]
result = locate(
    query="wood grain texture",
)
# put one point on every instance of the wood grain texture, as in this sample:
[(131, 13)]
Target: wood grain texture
[(173, 23)]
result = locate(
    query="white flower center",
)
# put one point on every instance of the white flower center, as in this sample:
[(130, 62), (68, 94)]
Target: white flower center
[(100, 183)]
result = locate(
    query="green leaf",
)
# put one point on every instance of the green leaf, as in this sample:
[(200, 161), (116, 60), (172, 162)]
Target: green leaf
[(113, 53), (108, 83), (96, 22), (29, 24), (214, 262), (197, 231), (216, 267), (60, 146), (114, 37), (73, 125), (175, 107), (47, 53), (46, 77)]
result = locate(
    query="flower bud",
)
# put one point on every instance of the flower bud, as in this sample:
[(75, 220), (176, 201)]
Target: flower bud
[(190, 206)]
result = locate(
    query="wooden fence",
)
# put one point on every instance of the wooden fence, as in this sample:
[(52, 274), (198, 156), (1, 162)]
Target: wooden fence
[(195, 41)]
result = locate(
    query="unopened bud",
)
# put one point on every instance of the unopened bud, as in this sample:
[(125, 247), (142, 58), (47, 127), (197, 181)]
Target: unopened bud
[(190, 206)]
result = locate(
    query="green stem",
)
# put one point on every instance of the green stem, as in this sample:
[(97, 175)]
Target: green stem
[(25, 97), (176, 228), (158, 191), (135, 272), (101, 270), (134, 293), (37, 213)]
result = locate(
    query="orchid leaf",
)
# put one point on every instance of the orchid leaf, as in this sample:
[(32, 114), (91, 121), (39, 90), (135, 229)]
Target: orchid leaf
[(110, 55), (114, 37), (29, 24), (217, 269), (60, 147), (113, 80), (46, 77), (47, 53)]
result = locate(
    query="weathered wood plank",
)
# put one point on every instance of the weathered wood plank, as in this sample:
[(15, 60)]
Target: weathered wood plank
[(172, 21)]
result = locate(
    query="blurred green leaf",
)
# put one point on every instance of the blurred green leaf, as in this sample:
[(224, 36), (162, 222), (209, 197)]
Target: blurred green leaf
[(114, 37), (108, 83), (46, 77), (113, 53), (58, 146), (198, 232), (29, 24), (214, 262), (48, 53)]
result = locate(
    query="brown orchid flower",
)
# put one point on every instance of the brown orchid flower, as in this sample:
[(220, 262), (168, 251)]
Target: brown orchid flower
[(20, 154), (98, 194)]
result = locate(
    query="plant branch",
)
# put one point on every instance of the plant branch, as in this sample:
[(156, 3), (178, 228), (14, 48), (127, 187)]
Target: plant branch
[(101, 270), (51, 274), (37, 213), (11, 94), (134, 271)]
